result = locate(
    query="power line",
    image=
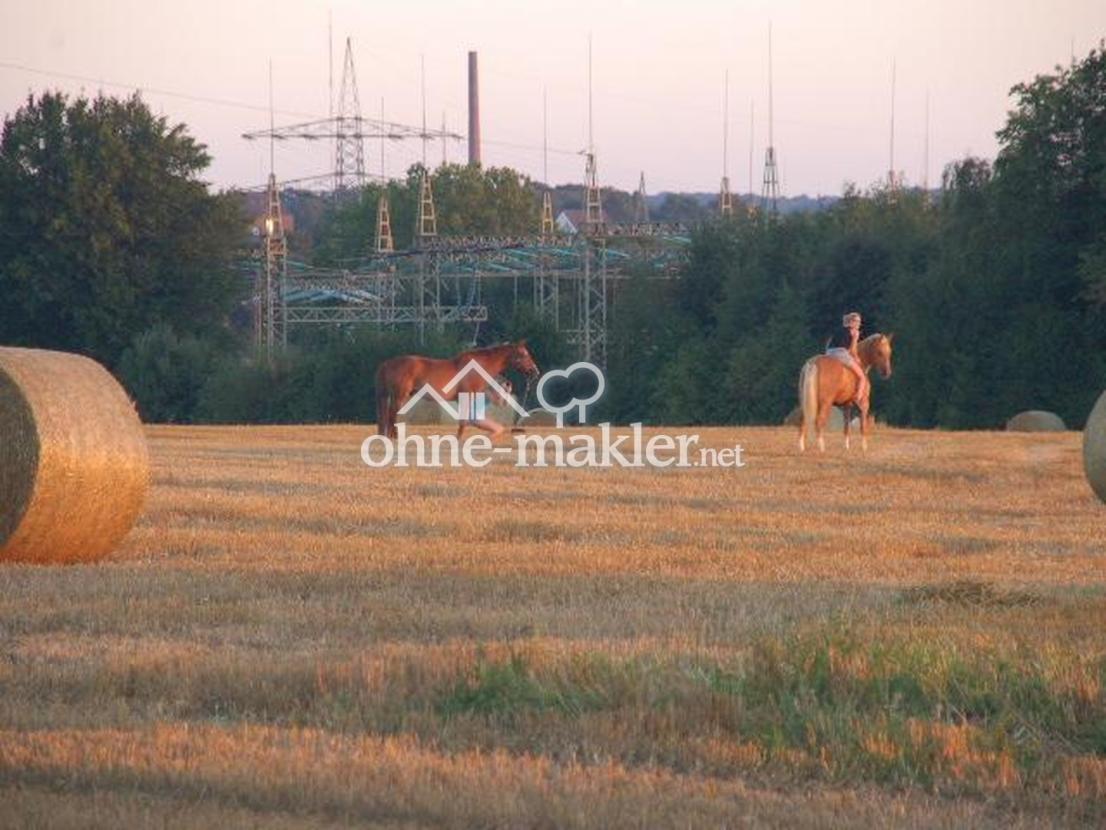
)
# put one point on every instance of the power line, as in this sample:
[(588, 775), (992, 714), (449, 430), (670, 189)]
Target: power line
[(185, 96)]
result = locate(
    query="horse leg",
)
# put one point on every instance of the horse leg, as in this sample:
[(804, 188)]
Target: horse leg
[(847, 410), (808, 400), (820, 423), (864, 424), (399, 399)]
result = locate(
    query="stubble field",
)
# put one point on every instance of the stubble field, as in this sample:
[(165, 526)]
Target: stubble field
[(291, 639)]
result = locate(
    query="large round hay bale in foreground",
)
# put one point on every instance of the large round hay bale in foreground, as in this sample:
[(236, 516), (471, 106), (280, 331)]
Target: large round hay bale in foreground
[(1094, 448), (73, 461), (1036, 420)]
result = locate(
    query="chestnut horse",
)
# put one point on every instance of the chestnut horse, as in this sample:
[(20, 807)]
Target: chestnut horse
[(399, 377), (825, 381)]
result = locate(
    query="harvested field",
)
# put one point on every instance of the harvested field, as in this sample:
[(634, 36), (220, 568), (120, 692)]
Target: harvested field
[(291, 639)]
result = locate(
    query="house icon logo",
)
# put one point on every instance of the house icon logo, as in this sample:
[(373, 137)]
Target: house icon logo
[(470, 406)]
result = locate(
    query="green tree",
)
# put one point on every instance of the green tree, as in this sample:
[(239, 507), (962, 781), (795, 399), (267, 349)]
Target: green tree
[(468, 201), (166, 374), (760, 384), (107, 229)]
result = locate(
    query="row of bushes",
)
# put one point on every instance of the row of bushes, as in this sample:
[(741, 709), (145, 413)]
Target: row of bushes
[(185, 379), (325, 378)]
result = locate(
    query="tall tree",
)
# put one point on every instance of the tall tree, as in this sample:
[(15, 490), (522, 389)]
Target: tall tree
[(106, 228)]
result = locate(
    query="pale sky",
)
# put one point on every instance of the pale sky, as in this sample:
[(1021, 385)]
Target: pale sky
[(658, 71)]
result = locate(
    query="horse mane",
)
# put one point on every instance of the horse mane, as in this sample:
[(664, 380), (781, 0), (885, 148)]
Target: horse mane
[(867, 348), (870, 340)]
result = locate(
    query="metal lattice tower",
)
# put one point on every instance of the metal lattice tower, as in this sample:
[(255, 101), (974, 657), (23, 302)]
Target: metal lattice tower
[(770, 188), (576, 277), (593, 303), (725, 198), (271, 330), (348, 130), (349, 151), (428, 285), (641, 202), (427, 223), (548, 228), (592, 295), (593, 200), (547, 288), (385, 244)]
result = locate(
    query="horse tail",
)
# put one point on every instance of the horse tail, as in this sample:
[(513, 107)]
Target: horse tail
[(808, 396), (384, 399)]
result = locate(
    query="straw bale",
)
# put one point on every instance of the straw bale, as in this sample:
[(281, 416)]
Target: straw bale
[(1035, 420), (74, 467), (1094, 448)]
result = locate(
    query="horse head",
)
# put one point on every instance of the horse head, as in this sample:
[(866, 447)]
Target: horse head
[(879, 354), (522, 360)]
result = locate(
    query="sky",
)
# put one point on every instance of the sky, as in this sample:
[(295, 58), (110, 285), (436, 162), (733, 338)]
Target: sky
[(658, 71)]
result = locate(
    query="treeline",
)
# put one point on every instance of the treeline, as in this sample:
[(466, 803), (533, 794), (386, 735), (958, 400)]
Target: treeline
[(997, 294), (111, 245)]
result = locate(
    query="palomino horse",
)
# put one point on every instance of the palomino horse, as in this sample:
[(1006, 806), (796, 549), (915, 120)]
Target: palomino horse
[(825, 381), (397, 378)]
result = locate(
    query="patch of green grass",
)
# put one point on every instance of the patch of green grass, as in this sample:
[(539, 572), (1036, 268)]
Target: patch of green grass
[(897, 710), (505, 688)]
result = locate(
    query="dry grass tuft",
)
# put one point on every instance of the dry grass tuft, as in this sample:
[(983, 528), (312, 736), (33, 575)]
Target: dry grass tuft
[(971, 592)]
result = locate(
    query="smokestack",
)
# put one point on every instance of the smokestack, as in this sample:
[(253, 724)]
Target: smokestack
[(474, 111)]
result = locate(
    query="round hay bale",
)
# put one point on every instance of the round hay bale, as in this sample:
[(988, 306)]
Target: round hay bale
[(73, 461), (1035, 420), (836, 420), (1094, 448)]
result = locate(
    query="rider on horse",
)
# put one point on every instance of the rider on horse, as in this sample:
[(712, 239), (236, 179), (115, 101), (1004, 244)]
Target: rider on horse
[(842, 346)]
